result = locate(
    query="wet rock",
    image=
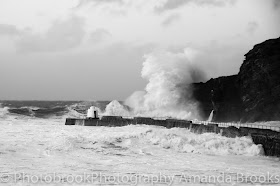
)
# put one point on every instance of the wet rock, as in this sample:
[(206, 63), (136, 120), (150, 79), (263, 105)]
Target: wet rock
[(251, 95), (221, 95), (259, 82)]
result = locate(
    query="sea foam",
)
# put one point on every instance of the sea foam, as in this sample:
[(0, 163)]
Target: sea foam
[(139, 137)]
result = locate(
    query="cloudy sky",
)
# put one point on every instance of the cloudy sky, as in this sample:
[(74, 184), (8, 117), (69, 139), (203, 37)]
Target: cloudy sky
[(94, 49)]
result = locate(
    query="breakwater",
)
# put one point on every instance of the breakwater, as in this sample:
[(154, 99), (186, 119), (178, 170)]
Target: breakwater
[(267, 136)]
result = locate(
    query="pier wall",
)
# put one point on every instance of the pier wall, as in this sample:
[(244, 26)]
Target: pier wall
[(268, 138)]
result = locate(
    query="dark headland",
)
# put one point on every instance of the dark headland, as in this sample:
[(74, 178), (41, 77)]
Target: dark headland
[(251, 95)]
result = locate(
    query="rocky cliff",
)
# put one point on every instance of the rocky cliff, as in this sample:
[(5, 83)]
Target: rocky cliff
[(221, 95), (251, 95)]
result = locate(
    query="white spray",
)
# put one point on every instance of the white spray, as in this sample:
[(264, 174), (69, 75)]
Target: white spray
[(168, 92), (114, 108), (211, 116)]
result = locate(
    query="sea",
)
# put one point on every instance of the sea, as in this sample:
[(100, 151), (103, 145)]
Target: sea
[(37, 148)]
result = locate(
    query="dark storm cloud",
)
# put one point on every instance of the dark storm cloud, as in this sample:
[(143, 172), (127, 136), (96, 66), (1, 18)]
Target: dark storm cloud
[(173, 4), (276, 4), (8, 30), (62, 35), (170, 19)]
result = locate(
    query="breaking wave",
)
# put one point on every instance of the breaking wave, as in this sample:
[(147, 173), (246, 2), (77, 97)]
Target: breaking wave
[(38, 109), (114, 108), (39, 112), (141, 139), (4, 112), (169, 91), (137, 139)]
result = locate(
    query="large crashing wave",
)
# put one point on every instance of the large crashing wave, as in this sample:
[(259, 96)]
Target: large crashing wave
[(144, 139), (168, 92), (114, 108)]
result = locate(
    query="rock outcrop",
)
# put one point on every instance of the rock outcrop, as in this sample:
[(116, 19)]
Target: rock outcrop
[(221, 95), (259, 82), (251, 95)]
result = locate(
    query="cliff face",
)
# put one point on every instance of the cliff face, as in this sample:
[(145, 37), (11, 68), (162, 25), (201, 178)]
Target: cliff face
[(251, 95), (259, 82), (221, 95)]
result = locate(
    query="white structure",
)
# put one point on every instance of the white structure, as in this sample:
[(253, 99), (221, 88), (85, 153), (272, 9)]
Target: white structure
[(92, 112)]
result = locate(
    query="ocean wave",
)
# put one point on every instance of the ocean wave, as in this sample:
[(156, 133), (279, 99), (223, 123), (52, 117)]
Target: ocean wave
[(144, 139), (115, 108), (59, 109), (36, 112), (3, 112), (21, 111), (56, 109)]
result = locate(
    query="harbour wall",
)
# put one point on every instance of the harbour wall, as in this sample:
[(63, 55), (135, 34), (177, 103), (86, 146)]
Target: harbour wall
[(268, 137)]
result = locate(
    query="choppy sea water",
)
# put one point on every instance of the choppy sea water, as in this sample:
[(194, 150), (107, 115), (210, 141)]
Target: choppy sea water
[(43, 151)]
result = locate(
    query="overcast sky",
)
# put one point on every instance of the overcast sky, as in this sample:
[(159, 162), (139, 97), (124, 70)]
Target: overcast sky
[(94, 49)]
